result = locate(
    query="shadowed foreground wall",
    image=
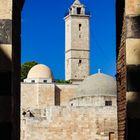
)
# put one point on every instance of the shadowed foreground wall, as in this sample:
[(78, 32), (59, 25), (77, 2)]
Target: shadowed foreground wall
[(128, 68), (10, 68), (132, 10), (121, 68)]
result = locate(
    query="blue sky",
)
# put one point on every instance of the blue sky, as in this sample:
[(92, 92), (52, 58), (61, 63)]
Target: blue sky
[(43, 34)]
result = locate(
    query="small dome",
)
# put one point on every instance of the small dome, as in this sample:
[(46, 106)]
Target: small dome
[(97, 85), (40, 71)]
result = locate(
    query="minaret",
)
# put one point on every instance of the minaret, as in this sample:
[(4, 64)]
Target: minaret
[(77, 43)]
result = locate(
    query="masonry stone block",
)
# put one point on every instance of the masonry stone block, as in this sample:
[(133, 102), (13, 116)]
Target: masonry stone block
[(133, 51)]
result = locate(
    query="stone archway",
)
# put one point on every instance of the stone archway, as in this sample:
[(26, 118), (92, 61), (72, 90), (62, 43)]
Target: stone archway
[(10, 64)]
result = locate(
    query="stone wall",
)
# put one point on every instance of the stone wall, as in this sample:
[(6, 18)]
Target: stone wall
[(128, 68), (43, 95), (93, 101), (47, 113), (121, 84), (132, 10), (70, 123), (35, 95), (10, 11), (67, 92), (121, 67), (77, 47)]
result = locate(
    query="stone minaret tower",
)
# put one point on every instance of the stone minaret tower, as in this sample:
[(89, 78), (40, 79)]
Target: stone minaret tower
[(77, 43)]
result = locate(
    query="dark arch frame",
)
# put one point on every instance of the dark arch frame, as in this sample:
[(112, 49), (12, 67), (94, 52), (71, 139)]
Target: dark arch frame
[(121, 67), (128, 74), (10, 71), (13, 129)]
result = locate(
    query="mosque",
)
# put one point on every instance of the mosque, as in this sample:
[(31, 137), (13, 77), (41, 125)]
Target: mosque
[(85, 109)]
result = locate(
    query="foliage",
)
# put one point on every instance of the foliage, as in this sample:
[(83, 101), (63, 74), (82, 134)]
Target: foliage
[(63, 81), (25, 67)]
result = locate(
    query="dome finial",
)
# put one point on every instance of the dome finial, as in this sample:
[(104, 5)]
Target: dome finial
[(77, 2), (99, 70)]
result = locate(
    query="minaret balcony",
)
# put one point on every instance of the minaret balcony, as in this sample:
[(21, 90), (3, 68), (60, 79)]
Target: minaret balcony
[(87, 13)]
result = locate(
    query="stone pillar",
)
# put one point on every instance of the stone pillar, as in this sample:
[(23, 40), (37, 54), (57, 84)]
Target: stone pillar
[(10, 68), (132, 11), (121, 67), (128, 68)]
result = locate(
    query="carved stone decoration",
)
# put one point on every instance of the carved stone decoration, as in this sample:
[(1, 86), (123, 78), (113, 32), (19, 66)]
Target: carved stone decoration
[(5, 31)]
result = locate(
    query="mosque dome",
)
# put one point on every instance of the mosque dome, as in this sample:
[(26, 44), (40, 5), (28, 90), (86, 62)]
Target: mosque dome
[(97, 85), (40, 71)]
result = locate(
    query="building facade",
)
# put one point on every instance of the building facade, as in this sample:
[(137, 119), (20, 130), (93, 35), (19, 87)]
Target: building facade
[(86, 109), (55, 111)]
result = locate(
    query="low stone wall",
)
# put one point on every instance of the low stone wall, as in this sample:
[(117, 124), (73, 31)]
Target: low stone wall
[(69, 123)]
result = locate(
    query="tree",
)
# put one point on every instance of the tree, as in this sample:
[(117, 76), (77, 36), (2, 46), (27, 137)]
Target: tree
[(25, 67)]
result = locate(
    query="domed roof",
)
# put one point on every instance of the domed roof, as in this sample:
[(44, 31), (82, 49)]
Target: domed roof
[(40, 71), (97, 85)]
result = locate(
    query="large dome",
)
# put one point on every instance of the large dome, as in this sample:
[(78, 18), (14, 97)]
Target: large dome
[(97, 85), (40, 71)]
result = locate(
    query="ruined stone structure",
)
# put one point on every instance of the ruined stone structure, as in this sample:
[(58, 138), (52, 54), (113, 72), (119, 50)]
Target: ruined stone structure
[(77, 43), (10, 11), (83, 110), (128, 68)]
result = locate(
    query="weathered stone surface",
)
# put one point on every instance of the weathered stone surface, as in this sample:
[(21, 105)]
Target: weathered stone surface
[(37, 95), (133, 51), (133, 26), (128, 79), (46, 112), (67, 92), (74, 123), (121, 83), (43, 95), (10, 68), (5, 31), (132, 7), (77, 47), (6, 9)]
